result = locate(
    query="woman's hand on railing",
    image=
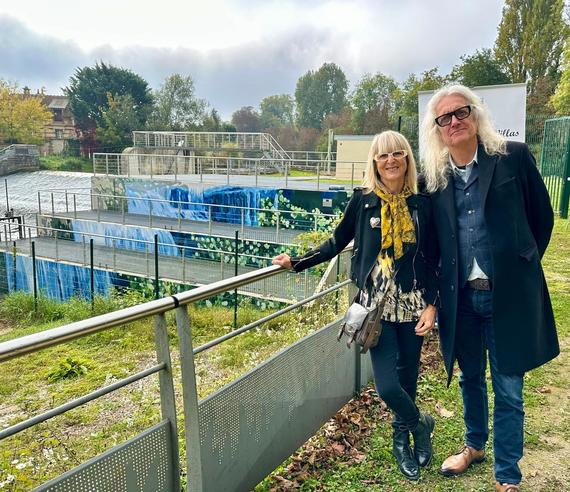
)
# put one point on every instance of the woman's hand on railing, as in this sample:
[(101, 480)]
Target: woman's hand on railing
[(283, 260)]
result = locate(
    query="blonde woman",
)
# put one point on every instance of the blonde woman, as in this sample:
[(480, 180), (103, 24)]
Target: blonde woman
[(394, 255)]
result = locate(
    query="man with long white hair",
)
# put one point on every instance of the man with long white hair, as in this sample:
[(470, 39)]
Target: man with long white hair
[(493, 219)]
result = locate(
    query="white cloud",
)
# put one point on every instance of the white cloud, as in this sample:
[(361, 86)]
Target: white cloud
[(243, 50)]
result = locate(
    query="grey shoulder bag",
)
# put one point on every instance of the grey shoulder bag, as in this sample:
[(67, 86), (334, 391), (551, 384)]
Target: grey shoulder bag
[(362, 324)]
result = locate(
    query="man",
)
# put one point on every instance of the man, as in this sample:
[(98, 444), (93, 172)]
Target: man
[(493, 219)]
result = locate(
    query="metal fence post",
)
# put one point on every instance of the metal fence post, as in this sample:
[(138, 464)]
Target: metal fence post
[(190, 402), (167, 396), (34, 276), (39, 204), (91, 274), (236, 259), (156, 287), (565, 195), (14, 266)]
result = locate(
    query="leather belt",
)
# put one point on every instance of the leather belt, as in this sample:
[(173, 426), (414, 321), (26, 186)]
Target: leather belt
[(479, 284)]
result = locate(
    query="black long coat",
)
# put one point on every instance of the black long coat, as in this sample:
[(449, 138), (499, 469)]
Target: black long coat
[(419, 261), (519, 220)]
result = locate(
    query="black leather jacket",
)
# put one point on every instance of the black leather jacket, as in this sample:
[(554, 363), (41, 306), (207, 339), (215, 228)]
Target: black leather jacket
[(415, 269)]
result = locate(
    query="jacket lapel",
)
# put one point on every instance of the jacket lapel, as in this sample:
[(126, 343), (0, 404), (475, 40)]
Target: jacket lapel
[(486, 165)]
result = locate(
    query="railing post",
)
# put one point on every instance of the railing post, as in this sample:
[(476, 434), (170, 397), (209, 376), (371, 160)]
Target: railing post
[(74, 207), (190, 402), (34, 276), (39, 204), (52, 205), (150, 213), (256, 171), (286, 173), (318, 176), (66, 202), (236, 259), (210, 219), (167, 396), (277, 227), (14, 265), (156, 286), (91, 274), (242, 221)]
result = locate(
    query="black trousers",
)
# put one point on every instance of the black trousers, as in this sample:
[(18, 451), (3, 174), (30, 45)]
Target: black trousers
[(396, 362)]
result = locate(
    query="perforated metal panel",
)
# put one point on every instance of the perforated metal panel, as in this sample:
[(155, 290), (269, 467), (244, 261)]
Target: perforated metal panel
[(142, 464), (251, 425)]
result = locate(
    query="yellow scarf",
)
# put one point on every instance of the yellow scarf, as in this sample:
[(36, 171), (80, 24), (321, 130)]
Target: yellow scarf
[(397, 226)]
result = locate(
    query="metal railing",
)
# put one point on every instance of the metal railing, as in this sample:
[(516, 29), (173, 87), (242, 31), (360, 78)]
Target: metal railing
[(149, 258), (216, 220), (209, 467), (260, 172)]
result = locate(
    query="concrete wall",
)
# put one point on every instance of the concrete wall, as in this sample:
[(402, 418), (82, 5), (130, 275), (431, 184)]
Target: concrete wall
[(16, 158)]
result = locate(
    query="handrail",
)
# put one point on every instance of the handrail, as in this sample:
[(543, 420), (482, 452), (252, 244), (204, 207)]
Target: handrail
[(182, 202), (78, 329)]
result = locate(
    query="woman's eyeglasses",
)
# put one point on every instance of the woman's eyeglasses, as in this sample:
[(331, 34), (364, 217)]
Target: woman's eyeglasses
[(397, 154), (460, 113)]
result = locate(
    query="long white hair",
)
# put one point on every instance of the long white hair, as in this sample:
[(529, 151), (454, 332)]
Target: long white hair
[(436, 157)]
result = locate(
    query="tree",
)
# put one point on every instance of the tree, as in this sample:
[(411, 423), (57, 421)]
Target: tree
[(561, 99), (246, 119), (89, 88), (530, 40), (480, 68), (320, 93), (373, 101), (23, 118), (176, 106), (407, 95), (277, 110), (119, 120)]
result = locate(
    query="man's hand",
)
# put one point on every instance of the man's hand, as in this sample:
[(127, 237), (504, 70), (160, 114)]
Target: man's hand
[(284, 260), (426, 321)]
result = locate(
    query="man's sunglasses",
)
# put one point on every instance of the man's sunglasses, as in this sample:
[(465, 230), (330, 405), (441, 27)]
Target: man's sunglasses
[(460, 113)]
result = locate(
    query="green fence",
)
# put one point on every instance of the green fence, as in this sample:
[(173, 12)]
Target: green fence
[(555, 162)]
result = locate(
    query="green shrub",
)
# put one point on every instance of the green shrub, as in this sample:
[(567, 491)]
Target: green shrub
[(68, 368)]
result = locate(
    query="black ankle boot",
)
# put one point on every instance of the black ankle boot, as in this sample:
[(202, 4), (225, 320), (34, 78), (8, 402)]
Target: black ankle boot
[(423, 450), (403, 454)]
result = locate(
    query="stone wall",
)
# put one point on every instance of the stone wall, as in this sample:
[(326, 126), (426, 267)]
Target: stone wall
[(16, 158)]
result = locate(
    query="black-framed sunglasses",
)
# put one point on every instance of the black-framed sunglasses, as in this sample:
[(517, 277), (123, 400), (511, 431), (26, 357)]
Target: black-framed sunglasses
[(460, 113)]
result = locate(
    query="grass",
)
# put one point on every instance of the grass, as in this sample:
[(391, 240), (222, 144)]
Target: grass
[(36, 382), (547, 429), (65, 163)]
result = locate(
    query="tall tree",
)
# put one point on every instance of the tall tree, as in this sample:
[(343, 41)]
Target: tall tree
[(176, 106), (120, 119), (373, 102), (246, 119), (561, 99), (277, 110), (530, 39), (320, 93), (89, 88), (407, 95), (480, 68), (23, 118)]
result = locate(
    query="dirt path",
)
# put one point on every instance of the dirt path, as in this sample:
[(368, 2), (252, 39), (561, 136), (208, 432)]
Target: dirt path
[(545, 465)]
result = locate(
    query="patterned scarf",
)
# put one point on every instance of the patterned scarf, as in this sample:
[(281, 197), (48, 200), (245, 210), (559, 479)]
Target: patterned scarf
[(397, 227)]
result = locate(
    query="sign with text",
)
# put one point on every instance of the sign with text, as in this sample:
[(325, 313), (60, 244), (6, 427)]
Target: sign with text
[(506, 103)]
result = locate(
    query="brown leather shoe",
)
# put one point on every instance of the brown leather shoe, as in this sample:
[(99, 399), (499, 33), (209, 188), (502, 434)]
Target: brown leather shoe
[(506, 487), (458, 463)]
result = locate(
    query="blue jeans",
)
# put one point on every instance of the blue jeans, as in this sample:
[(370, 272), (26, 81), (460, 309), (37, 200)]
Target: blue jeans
[(474, 338)]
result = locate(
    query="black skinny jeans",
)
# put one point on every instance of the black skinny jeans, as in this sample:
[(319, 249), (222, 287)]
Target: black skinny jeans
[(396, 361)]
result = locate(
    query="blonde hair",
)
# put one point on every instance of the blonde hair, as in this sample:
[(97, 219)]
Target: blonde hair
[(389, 141), (436, 157)]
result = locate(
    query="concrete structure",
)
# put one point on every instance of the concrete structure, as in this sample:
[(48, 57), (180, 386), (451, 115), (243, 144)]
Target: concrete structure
[(351, 156), (16, 158)]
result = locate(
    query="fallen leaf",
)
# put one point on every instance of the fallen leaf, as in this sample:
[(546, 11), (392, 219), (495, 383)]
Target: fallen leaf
[(443, 412)]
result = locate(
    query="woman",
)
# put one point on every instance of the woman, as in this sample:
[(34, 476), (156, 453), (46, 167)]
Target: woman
[(394, 256)]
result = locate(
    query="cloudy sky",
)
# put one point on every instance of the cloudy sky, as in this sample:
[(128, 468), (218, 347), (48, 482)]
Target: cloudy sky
[(239, 51)]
